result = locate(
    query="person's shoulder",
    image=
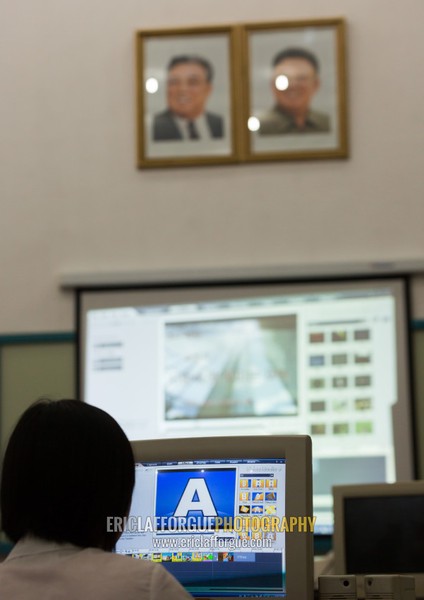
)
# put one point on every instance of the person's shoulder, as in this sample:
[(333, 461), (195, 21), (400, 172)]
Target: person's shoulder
[(273, 121), (216, 124), (84, 573), (214, 117), (143, 577), (110, 561), (165, 127), (165, 115), (320, 120)]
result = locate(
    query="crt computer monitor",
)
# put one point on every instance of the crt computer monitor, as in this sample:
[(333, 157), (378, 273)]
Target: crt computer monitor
[(379, 529), (228, 517), (325, 359)]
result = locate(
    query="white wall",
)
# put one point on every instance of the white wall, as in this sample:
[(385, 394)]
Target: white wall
[(72, 200)]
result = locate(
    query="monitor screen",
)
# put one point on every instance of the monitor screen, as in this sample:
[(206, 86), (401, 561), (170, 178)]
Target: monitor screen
[(380, 529), (325, 359), (224, 521)]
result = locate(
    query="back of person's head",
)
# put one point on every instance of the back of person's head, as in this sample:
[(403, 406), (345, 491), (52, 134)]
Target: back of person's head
[(68, 466)]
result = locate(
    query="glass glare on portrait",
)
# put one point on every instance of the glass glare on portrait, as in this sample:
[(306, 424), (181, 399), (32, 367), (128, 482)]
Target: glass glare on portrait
[(152, 85), (281, 82), (253, 124)]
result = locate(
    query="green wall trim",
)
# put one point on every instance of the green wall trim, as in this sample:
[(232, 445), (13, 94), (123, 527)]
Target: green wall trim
[(34, 338), (417, 324)]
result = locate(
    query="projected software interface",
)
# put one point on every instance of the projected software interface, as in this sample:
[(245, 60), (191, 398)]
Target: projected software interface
[(217, 525), (323, 364)]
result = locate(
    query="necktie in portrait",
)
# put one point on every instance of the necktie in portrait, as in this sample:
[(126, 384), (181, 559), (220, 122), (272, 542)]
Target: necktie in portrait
[(193, 134)]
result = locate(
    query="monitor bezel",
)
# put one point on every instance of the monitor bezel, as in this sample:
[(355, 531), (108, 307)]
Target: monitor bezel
[(343, 492), (297, 450)]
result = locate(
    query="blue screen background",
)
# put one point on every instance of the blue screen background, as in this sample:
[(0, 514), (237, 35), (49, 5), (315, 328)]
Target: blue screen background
[(172, 483)]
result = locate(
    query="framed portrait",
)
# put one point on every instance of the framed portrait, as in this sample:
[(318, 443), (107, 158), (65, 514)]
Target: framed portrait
[(186, 88), (295, 90)]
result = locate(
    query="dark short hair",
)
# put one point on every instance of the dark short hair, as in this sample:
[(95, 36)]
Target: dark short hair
[(296, 53), (192, 58), (68, 466)]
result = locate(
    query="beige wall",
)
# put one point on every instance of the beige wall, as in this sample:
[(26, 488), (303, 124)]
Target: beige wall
[(71, 199)]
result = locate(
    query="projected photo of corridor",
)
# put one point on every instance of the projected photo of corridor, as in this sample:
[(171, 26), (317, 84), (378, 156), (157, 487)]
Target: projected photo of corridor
[(231, 368)]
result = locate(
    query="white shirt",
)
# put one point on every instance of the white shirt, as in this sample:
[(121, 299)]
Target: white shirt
[(200, 124), (42, 570)]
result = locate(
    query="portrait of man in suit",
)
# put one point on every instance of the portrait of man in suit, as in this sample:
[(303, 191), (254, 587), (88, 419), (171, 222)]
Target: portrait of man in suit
[(294, 82), (188, 87)]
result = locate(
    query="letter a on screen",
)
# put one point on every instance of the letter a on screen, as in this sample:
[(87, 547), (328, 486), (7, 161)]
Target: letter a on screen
[(196, 496)]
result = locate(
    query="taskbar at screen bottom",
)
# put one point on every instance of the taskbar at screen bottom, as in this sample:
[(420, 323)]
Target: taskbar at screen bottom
[(225, 574), (213, 594)]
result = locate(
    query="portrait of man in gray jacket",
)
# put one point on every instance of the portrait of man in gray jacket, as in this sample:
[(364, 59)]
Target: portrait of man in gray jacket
[(295, 81)]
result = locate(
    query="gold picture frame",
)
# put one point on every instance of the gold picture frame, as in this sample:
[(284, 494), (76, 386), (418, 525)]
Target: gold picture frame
[(187, 88), (294, 87)]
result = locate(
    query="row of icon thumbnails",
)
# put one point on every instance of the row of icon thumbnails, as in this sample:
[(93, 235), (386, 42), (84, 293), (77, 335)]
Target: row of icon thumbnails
[(341, 335), (359, 428), (258, 509), (322, 360), (340, 382), (258, 496), (188, 556), (341, 405), (258, 483)]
